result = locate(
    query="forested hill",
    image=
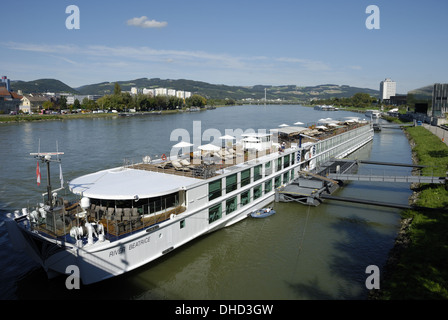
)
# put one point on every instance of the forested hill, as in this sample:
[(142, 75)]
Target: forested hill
[(220, 91), (208, 90)]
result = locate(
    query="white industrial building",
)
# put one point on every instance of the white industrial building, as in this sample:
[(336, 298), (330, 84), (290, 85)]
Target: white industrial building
[(388, 88)]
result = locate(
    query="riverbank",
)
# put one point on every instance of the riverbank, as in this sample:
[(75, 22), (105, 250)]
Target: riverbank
[(48, 117), (417, 265)]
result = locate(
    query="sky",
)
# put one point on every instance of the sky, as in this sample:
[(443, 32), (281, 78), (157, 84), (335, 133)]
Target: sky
[(244, 42)]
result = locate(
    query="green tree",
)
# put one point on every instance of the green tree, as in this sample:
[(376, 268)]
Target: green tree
[(47, 105), (117, 89), (76, 105), (196, 101), (63, 102)]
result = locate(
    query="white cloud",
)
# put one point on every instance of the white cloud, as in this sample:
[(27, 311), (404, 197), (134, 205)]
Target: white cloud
[(143, 22)]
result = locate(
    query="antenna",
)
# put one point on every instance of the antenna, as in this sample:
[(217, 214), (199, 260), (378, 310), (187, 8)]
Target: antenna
[(45, 157)]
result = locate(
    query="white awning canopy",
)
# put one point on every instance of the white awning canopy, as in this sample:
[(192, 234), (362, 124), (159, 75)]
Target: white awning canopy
[(126, 184)]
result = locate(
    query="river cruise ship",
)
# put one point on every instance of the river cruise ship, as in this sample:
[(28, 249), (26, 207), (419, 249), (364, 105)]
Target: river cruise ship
[(123, 218)]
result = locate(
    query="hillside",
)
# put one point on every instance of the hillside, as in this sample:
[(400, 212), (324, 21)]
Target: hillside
[(210, 91), (220, 91), (41, 86)]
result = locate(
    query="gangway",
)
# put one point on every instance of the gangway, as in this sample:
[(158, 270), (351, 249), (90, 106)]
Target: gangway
[(387, 178), (312, 188)]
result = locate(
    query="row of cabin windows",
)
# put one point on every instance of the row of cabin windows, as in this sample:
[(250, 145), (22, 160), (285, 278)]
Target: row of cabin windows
[(215, 213), (144, 206), (215, 188)]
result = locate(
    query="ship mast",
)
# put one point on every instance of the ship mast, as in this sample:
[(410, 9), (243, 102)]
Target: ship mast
[(45, 157)]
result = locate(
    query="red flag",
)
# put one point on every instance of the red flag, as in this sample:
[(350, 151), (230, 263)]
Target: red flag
[(38, 174)]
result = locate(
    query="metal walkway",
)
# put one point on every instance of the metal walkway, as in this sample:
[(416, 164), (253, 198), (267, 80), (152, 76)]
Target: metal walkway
[(405, 179), (312, 188)]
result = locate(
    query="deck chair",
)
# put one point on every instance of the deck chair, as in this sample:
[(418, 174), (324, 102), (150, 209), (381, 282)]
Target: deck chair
[(186, 164), (165, 165), (178, 167)]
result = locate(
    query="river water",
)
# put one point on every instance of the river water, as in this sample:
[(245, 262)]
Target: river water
[(299, 253)]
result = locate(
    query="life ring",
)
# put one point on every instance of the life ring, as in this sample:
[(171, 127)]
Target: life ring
[(164, 157)]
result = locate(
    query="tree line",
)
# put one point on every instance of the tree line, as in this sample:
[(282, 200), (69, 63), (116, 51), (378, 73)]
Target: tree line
[(123, 101), (359, 100)]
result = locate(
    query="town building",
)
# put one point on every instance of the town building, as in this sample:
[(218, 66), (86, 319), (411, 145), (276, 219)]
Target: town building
[(9, 100), (439, 100), (32, 103), (388, 88)]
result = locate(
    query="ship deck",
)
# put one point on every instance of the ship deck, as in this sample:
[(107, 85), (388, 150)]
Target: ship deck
[(203, 169)]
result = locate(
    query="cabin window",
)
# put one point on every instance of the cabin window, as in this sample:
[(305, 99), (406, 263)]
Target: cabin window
[(292, 174), (286, 161), (214, 189), (267, 168), (277, 181), (257, 172), (143, 206), (245, 177), (214, 213), (231, 205), (293, 158), (268, 186), (279, 164), (231, 183), (286, 177), (182, 224), (258, 191), (245, 198)]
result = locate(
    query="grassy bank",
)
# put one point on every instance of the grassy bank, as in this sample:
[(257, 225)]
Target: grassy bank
[(421, 271), (46, 117)]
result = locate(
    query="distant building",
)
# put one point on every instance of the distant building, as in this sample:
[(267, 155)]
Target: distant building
[(7, 83), (439, 100), (9, 100), (71, 98), (150, 92), (33, 102), (398, 100), (160, 91), (388, 88)]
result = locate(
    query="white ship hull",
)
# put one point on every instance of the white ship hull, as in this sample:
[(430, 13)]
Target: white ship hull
[(101, 259)]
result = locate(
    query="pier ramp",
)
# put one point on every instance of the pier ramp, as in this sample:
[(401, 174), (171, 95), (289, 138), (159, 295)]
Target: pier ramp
[(311, 188)]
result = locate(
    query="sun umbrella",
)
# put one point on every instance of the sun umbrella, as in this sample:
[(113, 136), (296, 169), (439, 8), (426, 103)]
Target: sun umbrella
[(209, 147), (182, 144), (284, 125), (298, 123), (227, 137)]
